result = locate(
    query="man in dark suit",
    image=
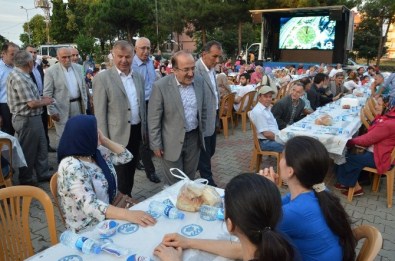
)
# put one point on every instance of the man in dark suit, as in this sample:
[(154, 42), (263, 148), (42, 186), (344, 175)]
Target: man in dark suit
[(118, 98), (37, 75), (205, 67), (177, 115)]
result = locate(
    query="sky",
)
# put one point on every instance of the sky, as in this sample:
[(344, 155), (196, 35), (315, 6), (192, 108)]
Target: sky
[(12, 17)]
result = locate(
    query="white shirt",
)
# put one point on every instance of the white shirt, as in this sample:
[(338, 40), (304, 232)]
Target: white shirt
[(37, 77), (351, 85), (72, 83), (131, 92), (188, 98), (264, 120), (240, 93), (211, 74)]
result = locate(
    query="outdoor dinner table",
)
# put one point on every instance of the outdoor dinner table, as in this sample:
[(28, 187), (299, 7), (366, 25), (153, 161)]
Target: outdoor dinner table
[(142, 241), (345, 124), (18, 158)]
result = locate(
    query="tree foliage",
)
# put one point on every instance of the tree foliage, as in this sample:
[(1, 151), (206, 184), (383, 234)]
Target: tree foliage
[(38, 33), (3, 40), (381, 12), (366, 39)]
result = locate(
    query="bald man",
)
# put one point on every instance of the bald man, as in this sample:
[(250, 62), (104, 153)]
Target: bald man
[(143, 65), (64, 82)]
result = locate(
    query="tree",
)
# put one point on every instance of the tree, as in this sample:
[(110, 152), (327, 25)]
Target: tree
[(59, 31), (382, 12), (38, 31), (127, 15), (2, 40), (366, 39), (85, 43)]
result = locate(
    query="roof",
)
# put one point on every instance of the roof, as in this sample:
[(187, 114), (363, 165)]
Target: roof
[(320, 10)]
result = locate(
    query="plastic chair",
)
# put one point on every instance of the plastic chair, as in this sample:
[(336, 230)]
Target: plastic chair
[(368, 113), (15, 239), (364, 119), (53, 185), (257, 153), (7, 182), (245, 107), (372, 244), (376, 180), (226, 112)]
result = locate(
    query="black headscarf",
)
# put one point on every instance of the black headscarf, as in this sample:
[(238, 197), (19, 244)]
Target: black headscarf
[(80, 138)]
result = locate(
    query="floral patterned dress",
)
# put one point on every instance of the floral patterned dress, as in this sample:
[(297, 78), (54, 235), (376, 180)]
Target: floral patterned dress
[(82, 188)]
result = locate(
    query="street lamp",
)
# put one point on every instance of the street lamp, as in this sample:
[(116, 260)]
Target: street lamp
[(27, 18)]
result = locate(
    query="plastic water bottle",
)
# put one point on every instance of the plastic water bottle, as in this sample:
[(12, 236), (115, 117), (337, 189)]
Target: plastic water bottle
[(211, 213), (79, 242), (166, 210)]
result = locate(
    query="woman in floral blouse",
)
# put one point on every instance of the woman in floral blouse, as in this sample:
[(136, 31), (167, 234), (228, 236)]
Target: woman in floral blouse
[(87, 178)]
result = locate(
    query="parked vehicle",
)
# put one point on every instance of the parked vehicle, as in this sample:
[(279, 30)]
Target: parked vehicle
[(48, 51)]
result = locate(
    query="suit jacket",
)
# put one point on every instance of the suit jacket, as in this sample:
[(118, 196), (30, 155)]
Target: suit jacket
[(41, 71), (55, 86), (209, 97), (166, 118), (112, 107), (282, 111)]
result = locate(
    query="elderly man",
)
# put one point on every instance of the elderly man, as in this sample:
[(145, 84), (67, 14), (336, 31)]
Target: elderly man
[(256, 77), (37, 75), (177, 116), (289, 109), (64, 82), (143, 65), (211, 55), (265, 123), (8, 51), (118, 98), (26, 108)]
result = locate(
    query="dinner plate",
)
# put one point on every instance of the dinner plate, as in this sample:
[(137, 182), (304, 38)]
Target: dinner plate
[(128, 228), (191, 230)]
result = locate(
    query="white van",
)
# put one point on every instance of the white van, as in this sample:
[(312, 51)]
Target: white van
[(48, 51)]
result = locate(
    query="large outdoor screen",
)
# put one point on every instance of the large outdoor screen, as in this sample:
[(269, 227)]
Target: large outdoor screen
[(309, 32)]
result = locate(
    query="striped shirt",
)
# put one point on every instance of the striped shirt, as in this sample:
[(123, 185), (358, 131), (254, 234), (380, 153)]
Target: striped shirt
[(188, 98), (21, 89)]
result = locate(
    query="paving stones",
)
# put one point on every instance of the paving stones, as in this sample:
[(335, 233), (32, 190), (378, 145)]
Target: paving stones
[(232, 157)]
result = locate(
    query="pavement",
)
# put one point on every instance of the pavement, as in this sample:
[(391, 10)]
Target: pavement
[(232, 157)]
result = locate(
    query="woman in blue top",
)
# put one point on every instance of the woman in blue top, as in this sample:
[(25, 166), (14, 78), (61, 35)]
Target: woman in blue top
[(313, 217)]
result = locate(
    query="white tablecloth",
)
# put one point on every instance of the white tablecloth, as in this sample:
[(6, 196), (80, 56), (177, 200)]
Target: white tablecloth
[(346, 123), (18, 158), (144, 240)]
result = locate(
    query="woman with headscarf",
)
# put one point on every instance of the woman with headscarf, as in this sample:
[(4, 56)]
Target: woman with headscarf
[(87, 183), (223, 85)]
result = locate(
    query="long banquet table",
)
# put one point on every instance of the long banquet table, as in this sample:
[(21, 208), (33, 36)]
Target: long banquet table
[(346, 123), (18, 158), (142, 241)]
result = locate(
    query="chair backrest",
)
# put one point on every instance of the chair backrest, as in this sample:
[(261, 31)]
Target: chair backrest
[(246, 102), (53, 185), (363, 119), (371, 102), (254, 134), (373, 242), (15, 239), (6, 142), (226, 106), (368, 113)]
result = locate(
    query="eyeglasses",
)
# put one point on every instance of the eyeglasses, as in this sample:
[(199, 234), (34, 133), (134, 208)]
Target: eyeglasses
[(186, 70), (66, 57), (144, 48)]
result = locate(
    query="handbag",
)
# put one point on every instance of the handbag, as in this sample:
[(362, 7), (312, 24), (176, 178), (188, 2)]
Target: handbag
[(123, 201)]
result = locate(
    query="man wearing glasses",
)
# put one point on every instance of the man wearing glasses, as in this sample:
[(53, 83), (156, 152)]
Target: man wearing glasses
[(177, 114), (63, 82), (143, 65)]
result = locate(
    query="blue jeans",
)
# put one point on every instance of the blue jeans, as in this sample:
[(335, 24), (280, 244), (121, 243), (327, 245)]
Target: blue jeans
[(271, 145), (348, 173)]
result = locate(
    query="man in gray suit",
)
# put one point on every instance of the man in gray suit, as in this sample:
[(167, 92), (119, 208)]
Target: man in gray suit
[(211, 55), (118, 98), (177, 116), (64, 83)]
